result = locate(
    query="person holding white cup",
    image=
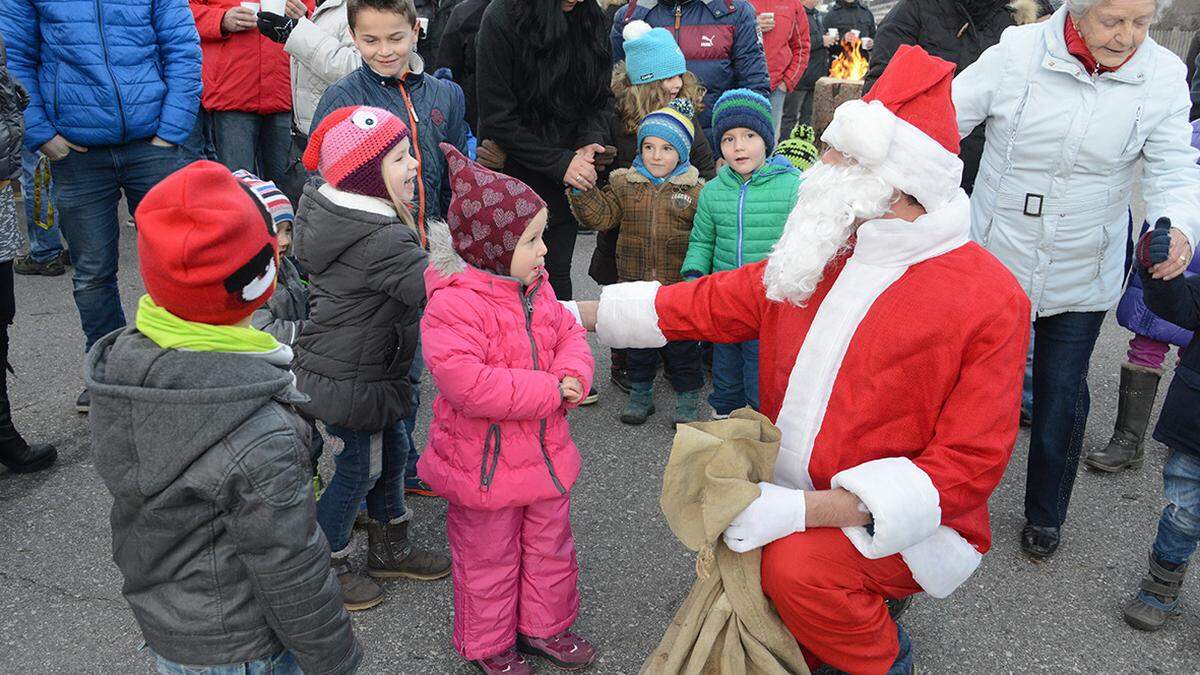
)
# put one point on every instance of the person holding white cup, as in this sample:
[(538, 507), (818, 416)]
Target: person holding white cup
[(786, 42)]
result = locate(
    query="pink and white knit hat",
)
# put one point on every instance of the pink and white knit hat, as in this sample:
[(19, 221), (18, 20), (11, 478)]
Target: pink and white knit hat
[(348, 146)]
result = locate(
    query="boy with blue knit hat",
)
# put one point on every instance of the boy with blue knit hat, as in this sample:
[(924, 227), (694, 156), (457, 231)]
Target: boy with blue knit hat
[(740, 216), (654, 203)]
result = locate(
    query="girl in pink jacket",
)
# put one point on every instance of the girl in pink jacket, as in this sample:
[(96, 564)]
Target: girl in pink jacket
[(508, 361)]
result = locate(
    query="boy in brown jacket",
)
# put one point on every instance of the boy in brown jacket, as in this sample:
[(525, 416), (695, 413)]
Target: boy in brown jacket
[(654, 203)]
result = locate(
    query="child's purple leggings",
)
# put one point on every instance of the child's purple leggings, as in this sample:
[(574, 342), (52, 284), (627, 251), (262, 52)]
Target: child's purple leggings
[(1147, 352)]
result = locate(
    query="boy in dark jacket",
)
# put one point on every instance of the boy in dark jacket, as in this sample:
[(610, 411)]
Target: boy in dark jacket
[(1177, 300), (196, 437)]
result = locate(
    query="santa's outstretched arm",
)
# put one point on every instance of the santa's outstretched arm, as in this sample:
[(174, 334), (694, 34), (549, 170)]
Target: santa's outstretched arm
[(722, 307)]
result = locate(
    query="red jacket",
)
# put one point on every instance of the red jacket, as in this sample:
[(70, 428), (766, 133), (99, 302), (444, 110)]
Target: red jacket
[(242, 71), (786, 45)]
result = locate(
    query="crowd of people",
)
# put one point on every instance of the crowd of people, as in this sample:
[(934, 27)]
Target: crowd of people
[(332, 198)]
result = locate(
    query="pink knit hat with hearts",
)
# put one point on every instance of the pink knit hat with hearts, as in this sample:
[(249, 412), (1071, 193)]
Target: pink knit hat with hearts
[(488, 212)]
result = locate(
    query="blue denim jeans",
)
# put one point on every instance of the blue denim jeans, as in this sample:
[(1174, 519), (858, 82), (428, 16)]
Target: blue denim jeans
[(1062, 348), (1027, 385), (735, 377), (44, 244), (282, 663), (87, 192), (681, 364), (1179, 526), (199, 144), (410, 422), (371, 465), (257, 143)]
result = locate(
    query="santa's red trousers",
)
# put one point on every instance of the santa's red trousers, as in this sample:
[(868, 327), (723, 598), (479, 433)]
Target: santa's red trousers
[(832, 599)]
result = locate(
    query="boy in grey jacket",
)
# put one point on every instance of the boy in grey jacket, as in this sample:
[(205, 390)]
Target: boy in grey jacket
[(197, 438)]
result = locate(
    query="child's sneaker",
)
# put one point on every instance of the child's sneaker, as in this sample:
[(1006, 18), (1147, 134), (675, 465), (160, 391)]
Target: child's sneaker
[(687, 407), (506, 663), (416, 486), (1158, 597), (565, 650)]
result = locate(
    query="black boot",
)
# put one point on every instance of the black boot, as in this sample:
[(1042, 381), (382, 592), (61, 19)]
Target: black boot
[(391, 554), (15, 453), (1138, 388), (1158, 599)]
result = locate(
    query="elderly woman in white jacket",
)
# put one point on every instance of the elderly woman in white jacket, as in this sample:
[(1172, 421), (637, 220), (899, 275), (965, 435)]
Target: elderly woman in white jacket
[(1070, 106)]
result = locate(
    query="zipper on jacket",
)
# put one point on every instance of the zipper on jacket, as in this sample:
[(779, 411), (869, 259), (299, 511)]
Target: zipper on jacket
[(741, 225), (416, 148), (678, 14), (108, 67), (491, 445), (527, 306)]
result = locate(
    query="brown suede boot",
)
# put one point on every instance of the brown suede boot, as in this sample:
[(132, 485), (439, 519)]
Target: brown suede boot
[(391, 555), (358, 592)]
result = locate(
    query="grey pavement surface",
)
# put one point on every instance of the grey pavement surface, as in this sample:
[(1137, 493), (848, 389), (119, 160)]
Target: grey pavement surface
[(61, 609)]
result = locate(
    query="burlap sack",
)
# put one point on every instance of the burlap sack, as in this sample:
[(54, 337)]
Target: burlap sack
[(726, 625)]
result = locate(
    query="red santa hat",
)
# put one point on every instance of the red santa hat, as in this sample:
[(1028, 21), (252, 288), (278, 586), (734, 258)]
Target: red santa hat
[(905, 128)]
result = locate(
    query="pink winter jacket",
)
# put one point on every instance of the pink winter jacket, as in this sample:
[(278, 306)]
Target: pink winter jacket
[(497, 352)]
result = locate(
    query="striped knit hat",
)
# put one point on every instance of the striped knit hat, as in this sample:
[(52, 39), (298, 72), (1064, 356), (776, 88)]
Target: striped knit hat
[(744, 109), (673, 124), (278, 208), (799, 148), (348, 146)]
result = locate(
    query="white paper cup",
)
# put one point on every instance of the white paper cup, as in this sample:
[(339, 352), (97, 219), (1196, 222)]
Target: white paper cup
[(832, 32), (275, 6), (855, 34), (769, 15), (252, 6), (422, 26)]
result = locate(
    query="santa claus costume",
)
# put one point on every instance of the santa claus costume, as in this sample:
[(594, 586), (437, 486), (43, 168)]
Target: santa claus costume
[(892, 354)]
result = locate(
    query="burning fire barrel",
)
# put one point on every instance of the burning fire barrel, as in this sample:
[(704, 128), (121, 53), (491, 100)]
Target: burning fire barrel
[(844, 83)]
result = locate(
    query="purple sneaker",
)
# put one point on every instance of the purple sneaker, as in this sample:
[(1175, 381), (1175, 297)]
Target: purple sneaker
[(565, 650), (509, 662)]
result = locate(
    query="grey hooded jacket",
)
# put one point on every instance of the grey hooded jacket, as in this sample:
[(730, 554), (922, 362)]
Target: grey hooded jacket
[(366, 287), (213, 518)]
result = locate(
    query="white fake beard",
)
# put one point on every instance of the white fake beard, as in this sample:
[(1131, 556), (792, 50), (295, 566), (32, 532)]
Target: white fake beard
[(832, 201)]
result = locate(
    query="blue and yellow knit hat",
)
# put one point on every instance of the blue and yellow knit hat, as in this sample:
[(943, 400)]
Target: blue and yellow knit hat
[(651, 53), (673, 124), (744, 109)]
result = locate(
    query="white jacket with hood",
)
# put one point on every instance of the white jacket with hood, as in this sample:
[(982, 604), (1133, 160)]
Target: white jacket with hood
[(322, 53)]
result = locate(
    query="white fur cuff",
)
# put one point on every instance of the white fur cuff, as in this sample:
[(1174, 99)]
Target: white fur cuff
[(627, 317), (902, 500)]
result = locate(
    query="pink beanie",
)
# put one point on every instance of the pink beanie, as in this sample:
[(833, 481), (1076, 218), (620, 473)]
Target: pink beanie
[(348, 146)]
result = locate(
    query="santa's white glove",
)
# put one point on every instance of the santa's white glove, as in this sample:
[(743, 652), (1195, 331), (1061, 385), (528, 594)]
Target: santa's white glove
[(777, 512)]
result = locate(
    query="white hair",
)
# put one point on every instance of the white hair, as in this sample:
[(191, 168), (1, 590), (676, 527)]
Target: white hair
[(1078, 8), (832, 201)]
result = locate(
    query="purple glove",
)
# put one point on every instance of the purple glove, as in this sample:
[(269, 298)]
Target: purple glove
[(1155, 245)]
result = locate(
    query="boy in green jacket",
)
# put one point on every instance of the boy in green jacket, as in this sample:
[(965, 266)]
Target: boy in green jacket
[(739, 218)]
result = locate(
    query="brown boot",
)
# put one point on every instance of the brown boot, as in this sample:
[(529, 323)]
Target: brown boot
[(391, 555), (358, 592), (1138, 388)]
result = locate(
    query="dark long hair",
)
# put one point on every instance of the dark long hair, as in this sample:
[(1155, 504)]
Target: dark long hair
[(566, 57)]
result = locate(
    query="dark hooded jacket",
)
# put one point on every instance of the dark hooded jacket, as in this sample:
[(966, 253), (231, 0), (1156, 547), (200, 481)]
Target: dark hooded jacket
[(366, 288), (213, 519)]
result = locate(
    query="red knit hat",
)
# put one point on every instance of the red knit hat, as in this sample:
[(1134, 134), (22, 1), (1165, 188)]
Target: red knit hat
[(905, 128), (348, 146), (488, 212), (207, 246)]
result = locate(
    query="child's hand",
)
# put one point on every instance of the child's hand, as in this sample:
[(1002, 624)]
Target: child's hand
[(572, 390)]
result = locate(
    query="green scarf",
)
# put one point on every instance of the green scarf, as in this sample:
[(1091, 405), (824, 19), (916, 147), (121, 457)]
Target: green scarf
[(171, 332)]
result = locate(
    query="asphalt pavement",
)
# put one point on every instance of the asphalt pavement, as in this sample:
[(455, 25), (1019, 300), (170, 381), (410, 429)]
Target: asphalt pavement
[(61, 609)]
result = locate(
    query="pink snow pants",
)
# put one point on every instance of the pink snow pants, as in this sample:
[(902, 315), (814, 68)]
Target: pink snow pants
[(514, 571)]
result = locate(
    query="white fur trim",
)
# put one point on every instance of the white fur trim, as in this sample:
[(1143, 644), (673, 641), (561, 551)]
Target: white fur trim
[(899, 152), (356, 202), (572, 307), (941, 563), (627, 317), (902, 500), (634, 30)]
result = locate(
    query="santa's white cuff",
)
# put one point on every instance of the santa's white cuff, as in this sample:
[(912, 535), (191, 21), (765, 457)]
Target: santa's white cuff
[(902, 500), (627, 317)]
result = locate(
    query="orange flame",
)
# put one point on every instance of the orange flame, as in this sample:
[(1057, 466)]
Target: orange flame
[(851, 65)]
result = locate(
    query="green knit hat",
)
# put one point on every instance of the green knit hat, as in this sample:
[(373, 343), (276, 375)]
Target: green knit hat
[(799, 147)]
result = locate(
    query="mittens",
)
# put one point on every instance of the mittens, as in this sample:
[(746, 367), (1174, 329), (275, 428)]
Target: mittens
[(1155, 245), (274, 27)]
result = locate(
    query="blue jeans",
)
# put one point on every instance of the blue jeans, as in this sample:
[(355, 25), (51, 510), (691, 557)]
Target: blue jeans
[(1027, 385), (370, 464), (681, 363), (199, 144), (1179, 526), (778, 99), (257, 143), (44, 244), (282, 663), (87, 192), (410, 422), (735, 377), (1063, 346)]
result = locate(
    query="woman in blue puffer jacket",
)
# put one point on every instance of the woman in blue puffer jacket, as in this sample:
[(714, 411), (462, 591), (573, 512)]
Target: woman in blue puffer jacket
[(1140, 375)]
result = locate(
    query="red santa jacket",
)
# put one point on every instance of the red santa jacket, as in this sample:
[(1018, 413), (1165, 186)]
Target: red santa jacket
[(787, 44), (899, 379), (242, 71)]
